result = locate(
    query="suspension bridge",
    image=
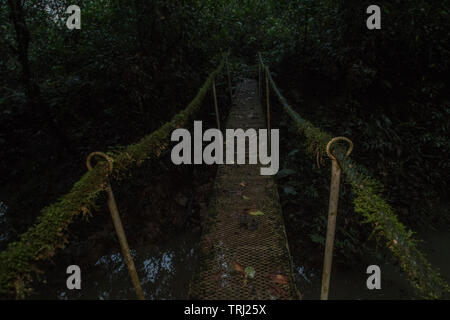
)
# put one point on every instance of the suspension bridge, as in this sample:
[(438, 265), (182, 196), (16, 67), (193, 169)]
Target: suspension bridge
[(244, 248)]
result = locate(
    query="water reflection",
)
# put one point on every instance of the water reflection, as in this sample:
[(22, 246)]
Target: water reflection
[(301, 270), (348, 281), (165, 272)]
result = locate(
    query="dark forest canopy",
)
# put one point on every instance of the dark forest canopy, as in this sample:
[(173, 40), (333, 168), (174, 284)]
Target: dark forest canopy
[(134, 64)]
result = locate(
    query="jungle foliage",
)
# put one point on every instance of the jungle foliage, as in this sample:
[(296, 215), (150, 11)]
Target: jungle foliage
[(135, 64)]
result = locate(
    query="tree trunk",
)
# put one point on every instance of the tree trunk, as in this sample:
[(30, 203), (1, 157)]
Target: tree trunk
[(39, 108)]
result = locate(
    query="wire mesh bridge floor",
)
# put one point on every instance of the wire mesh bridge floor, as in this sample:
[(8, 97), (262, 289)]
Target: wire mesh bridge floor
[(232, 238)]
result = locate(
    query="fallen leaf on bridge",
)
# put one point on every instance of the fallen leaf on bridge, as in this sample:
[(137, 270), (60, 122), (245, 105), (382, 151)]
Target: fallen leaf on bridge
[(280, 279), (216, 277), (239, 268), (256, 213), (245, 198)]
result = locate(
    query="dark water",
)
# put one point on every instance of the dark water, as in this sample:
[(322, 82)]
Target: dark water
[(349, 281), (165, 272)]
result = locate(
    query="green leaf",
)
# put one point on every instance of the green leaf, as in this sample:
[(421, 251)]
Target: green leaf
[(250, 272), (289, 190), (317, 238), (256, 213)]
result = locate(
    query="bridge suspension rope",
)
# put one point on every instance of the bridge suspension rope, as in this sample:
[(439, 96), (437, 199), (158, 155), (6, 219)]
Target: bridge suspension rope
[(49, 232), (370, 203)]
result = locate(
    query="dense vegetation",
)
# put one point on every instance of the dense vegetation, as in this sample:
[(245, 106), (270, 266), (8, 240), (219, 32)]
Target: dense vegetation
[(135, 64)]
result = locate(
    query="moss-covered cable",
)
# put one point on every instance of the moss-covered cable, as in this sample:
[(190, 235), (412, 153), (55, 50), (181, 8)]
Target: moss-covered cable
[(48, 234), (375, 210)]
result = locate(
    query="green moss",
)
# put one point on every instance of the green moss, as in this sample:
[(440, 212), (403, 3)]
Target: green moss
[(376, 211), (49, 232), (47, 235)]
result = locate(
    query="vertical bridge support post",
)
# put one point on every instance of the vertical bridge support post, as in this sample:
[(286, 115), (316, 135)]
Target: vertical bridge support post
[(229, 82), (268, 111), (332, 214), (119, 228), (259, 82), (215, 103)]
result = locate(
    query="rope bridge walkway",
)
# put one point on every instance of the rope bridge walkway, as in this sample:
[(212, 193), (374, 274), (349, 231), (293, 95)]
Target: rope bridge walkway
[(244, 256)]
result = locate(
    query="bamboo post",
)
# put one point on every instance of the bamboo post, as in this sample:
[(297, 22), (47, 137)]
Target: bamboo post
[(332, 214), (259, 80), (112, 205), (229, 82), (215, 104), (268, 109)]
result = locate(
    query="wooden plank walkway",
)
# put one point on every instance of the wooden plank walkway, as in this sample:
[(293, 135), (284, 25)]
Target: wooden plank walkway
[(232, 238)]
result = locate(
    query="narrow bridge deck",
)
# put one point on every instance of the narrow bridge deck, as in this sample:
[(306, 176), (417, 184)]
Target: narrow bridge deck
[(232, 238)]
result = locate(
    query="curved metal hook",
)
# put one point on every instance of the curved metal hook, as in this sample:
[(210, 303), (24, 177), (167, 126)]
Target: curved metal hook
[(101, 154), (350, 149)]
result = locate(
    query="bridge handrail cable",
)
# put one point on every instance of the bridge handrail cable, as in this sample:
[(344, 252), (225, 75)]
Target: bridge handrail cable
[(370, 203), (40, 241)]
